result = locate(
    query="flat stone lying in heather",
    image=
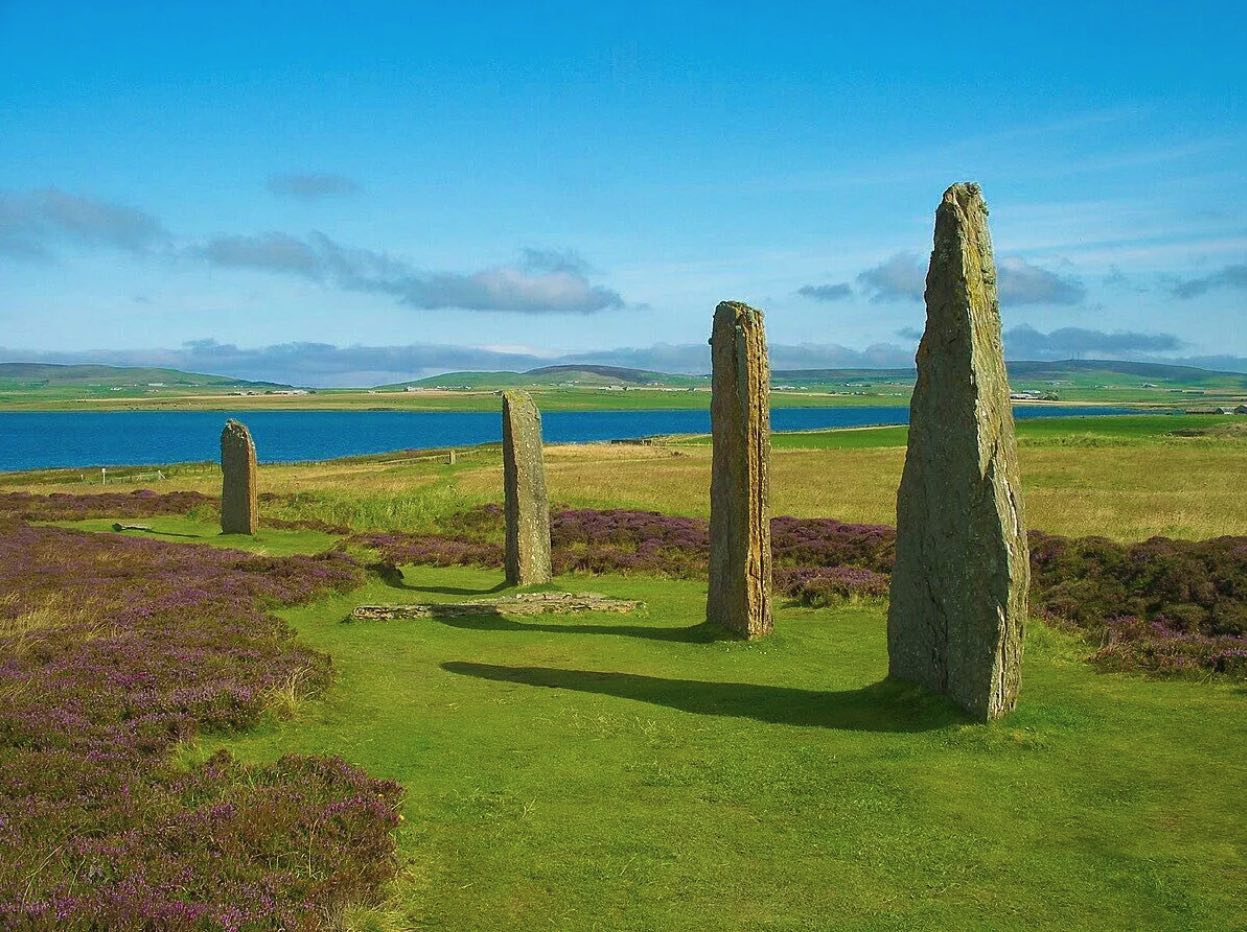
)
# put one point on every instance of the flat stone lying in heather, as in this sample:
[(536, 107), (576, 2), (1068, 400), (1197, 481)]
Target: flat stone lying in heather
[(525, 603), (959, 588)]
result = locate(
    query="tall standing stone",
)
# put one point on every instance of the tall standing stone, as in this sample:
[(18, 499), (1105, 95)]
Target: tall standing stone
[(240, 513), (959, 590), (524, 479), (740, 519)]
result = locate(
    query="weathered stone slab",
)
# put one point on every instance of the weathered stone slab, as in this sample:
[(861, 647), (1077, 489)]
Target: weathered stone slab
[(525, 603), (240, 513), (739, 596), (524, 481), (959, 590)]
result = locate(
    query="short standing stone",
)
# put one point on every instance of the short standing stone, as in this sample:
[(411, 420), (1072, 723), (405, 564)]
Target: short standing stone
[(524, 481), (239, 511), (959, 590), (739, 596)]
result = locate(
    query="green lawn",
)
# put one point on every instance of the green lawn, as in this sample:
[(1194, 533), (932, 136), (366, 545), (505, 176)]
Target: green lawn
[(178, 530), (621, 772)]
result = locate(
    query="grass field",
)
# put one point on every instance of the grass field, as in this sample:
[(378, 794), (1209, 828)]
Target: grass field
[(634, 772), (628, 773)]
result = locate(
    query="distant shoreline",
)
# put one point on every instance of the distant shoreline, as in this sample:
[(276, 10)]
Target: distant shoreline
[(457, 402)]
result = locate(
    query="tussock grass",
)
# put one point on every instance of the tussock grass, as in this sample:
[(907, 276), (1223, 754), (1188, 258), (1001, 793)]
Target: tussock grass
[(21, 629)]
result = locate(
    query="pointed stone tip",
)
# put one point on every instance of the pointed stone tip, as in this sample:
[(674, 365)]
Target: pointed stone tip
[(965, 195)]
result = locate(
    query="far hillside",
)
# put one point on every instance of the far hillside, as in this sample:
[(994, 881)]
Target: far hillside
[(1071, 371), (31, 375), (583, 387), (41, 386), (569, 376), (1067, 380)]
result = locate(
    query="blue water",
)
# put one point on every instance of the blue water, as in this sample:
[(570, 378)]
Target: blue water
[(46, 440)]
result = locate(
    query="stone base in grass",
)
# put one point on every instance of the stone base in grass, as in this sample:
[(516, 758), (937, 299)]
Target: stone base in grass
[(524, 603)]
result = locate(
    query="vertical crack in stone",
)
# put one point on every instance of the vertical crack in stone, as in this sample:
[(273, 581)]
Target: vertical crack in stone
[(524, 481), (739, 596), (958, 606), (240, 513)]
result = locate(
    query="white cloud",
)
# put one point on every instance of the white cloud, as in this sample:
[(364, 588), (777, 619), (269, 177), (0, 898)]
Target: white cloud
[(541, 282), (903, 278), (32, 223), (1231, 276)]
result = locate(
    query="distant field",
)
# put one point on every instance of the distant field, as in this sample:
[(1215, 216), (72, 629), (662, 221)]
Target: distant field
[(1076, 431), (549, 399)]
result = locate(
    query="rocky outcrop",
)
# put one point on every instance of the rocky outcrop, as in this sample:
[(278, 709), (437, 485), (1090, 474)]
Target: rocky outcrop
[(524, 480), (525, 603), (958, 598), (240, 513), (739, 596)]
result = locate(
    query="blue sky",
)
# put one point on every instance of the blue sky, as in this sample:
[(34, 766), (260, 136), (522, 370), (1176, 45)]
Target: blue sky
[(353, 193)]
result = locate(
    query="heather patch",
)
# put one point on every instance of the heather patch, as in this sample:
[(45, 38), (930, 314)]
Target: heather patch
[(431, 549), (113, 650), (1189, 597), (1167, 606), (627, 541), (831, 585), (61, 506)]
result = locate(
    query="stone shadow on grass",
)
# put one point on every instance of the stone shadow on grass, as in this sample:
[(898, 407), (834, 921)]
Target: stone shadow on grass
[(453, 590), (393, 577), (141, 532), (490, 619), (886, 706)]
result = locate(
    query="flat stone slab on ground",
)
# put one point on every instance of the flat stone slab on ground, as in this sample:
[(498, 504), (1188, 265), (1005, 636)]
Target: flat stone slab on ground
[(526, 603)]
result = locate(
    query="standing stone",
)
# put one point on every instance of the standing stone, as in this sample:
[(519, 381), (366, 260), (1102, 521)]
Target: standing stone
[(959, 589), (524, 478), (740, 518), (239, 510)]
